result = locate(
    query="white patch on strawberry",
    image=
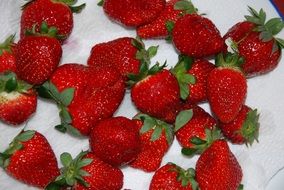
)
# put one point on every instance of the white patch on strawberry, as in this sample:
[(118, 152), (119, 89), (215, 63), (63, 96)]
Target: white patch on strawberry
[(232, 45), (4, 96)]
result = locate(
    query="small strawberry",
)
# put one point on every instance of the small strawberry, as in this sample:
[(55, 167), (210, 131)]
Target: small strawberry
[(244, 128), (55, 13), (38, 55), (18, 101), (115, 141), (87, 171), (171, 176), (133, 12), (30, 159), (7, 57), (255, 40), (217, 168), (226, 87)]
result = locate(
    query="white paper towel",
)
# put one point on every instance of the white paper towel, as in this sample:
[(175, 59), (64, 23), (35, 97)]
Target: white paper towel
[(259, 162)]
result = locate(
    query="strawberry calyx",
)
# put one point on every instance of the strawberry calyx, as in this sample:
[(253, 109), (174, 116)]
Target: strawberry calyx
[(186, 7), (200, 144), (14, 146), (267, 29), (184, 78), (101, 3), (72, 171), (185, 177), (183, 118), (229, 60), (9, 83), (7, 45)]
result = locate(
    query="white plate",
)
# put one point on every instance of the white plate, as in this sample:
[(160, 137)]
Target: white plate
[(259, 163), (277, 181)]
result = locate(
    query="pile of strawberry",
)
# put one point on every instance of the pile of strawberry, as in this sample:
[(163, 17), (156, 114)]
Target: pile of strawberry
[(87, 96)]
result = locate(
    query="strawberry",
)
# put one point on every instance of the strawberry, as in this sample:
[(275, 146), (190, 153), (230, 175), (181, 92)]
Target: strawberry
[(30, 159), (38, 55), (156, 138), (226, 87), (255, 40), (115, 141), (55, 13), (217, 168), (7, 57), (196, 36), (87, 171), (244, 128), (18, 101), (133, 13), (171, 176), (125, 54)]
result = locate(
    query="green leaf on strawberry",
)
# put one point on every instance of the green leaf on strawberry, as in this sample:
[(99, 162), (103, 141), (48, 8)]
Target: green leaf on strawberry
[(7, 44), (186, 6), (183, 118), (10, 83)]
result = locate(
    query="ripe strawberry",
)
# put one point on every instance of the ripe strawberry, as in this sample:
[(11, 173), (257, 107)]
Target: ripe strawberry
[(55, 13), (38, 55), (196, 36), (133, 12), (217, 168), (17, 100), (90, 173), (115, 141), (7, 57), (171, 176), (254, 40), (30, 159), (244, 128), (226, 88)]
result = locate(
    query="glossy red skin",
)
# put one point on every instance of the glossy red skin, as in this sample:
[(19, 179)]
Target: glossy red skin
[(217, 168), (151, 155), (7, 62), (157, 28), (102, 176), (118, 53), (133, 12), (258, 55), (18, 110), (196, 36), (115, 141), (226, 91), (53, 13), (195, 128), (230, 130), (157, 94), (166, 179), (37, 57), (200, 70), (35, 164)]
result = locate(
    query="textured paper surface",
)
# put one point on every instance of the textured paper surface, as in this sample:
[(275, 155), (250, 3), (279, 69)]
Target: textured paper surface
[(259, 163)]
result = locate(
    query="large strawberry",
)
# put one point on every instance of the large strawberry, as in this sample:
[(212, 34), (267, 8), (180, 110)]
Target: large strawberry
[(18, 101), (7, 57), (217, 168), (244, 128), (255, 40), (115, 140), (133, 12), (38, 55), (55, 13), (226, 87), (87, 171), (173, 177), (30, 159)]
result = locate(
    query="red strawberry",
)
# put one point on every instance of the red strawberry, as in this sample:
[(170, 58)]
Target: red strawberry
[(217, 168), (156, 138), (171, 176), (30, 159), (55, 13), (196, 36), (254, 40), (7, 57), (226, 88), (90, 173), (244, 128), (133, 12), (115, 141), (37, 56), (17, 100)]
